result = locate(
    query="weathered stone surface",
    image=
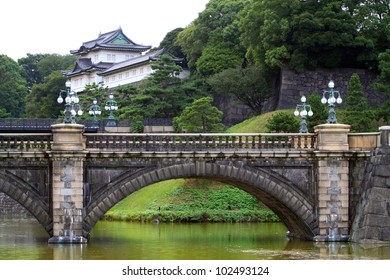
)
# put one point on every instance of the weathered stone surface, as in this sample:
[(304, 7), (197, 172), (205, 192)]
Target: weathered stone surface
[(372, 220)]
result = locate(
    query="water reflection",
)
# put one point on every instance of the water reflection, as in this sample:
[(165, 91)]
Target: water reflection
[(25, 239)]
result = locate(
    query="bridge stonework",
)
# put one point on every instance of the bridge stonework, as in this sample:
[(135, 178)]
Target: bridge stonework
[(69, 179), (67, 156), (372, 222)]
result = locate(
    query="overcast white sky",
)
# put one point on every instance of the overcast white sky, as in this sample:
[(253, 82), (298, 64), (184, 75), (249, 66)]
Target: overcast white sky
[(52, 26)]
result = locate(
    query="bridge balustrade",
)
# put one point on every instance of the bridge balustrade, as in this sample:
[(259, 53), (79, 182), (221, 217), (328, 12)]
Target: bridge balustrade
[(26, 142), (174, 142)]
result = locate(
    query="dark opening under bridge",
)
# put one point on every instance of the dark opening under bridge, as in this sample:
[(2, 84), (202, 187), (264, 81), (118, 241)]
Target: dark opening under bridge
[(69, 179)]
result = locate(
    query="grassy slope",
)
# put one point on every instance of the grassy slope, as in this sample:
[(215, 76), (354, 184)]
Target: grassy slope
[(148, 198), (255, 124)]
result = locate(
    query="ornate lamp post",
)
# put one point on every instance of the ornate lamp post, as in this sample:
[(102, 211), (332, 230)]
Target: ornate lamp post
[(111, 106), (71, 104), (331, 101), (94, 110), (301, 109)]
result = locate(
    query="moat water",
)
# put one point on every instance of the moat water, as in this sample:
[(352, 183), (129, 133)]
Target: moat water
[(25, 239)]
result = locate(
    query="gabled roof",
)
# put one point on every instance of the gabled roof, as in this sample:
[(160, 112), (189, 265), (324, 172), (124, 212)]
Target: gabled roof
[(113, 40), (137, 60), (85, 65)]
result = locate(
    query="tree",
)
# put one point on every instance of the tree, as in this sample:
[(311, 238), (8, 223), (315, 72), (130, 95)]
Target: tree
[(170, 45), (31, 72), (217, 57), (357, 112), (166, 72), (137, 124), (249, 85), (44, 76), (38, 66), (282, 122), (305, 34), (12, 88), (383, 85), (91, 92), (217, 26), (163, 94), (41, 102), (159, 92), (320, 112), (200, 116), (54, 62)]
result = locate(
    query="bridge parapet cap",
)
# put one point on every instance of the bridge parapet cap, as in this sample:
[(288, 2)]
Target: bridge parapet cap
[(364, 141), (67, 137)]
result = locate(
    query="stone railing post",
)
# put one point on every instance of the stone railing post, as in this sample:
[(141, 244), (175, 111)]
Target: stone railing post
[(333, 181), (385, 136), (67, 156)]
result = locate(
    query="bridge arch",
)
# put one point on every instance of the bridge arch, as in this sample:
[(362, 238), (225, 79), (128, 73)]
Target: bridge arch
[(295, 211), (24, 194)]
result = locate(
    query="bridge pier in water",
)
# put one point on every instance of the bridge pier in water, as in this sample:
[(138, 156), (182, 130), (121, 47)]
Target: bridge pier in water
[(333, 182), (67, 156)]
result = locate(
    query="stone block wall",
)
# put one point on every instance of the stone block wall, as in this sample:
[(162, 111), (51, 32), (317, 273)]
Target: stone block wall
[(290, 85), (10, 208), (293, 84), (372, 221)]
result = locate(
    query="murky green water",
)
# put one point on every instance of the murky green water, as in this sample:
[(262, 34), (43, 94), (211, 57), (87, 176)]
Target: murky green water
[(26, 240)]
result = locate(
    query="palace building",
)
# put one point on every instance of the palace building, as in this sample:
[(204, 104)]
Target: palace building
[(112, 60)]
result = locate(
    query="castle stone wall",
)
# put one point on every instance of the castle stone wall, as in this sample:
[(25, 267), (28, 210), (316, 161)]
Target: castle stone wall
[(293, 84)]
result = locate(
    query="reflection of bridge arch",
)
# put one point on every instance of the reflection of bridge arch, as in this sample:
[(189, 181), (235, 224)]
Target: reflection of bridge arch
[(273, 190), (25, 195)]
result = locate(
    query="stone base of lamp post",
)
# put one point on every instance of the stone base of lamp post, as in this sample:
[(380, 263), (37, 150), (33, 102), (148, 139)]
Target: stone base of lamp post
[(332, 137)]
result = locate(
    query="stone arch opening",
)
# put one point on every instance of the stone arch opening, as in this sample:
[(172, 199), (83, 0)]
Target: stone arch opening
[(24, 194), (293, 208)]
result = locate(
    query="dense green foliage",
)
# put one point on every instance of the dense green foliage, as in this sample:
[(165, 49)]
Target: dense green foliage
[(212, 42), (12, 88), (249, 85), (46, 81), (309, 34), (42, 100), (200, 116), (283, 123), (383, 85), (357, 112)]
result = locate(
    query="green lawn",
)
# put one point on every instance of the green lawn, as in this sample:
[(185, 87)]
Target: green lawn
[(255, 124)]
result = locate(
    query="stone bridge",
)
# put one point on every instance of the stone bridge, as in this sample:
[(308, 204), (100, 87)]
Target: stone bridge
[(69, 179)]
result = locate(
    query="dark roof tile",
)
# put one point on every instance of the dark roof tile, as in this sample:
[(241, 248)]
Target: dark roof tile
[(106, 41)]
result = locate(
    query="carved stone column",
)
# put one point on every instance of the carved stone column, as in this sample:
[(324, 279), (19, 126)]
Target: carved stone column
[(67, 158)]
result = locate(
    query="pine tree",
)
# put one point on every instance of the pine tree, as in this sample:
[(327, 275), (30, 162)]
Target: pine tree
[(200, 116), (357, 112)]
